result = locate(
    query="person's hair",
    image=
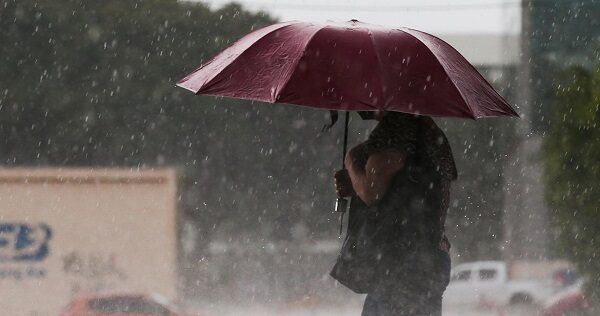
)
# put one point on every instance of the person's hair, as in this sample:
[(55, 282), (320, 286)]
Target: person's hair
[(391, 117), (396, 131)]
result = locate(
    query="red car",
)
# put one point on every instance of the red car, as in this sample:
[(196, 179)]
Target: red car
[(119, 305), (569, 302)]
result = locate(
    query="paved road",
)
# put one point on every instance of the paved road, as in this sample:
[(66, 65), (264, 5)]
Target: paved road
[(350, 309), (507, 311)]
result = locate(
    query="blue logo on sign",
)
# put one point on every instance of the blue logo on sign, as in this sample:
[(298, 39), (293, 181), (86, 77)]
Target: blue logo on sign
[(24, 242)]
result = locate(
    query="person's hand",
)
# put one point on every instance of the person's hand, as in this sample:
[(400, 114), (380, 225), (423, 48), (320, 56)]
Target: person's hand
[(343, 184)]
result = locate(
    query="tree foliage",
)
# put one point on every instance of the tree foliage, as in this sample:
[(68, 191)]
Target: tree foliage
[(571, 154), (91, 83), (565, 33)]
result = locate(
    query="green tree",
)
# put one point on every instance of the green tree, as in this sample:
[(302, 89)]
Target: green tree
[(564, 34), (572, 172)]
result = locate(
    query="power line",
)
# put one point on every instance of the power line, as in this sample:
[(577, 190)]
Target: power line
[(378, 8), (385, 8)]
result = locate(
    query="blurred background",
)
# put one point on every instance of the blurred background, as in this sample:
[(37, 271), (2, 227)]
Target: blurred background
[(115, 181)]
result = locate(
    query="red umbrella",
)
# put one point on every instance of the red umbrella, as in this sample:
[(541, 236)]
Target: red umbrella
[(349, 66)]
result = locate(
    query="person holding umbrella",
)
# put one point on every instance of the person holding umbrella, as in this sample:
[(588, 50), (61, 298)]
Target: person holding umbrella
[(399, 178), (401, 174)]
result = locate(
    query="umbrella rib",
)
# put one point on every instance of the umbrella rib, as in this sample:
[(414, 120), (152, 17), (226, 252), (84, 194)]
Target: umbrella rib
[(293, 69), (477, 73), (445, 71), (223, 68), (380, 64), (506, 105)]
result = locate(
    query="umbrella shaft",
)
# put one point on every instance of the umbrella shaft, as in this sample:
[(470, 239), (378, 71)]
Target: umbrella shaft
[(345, 148)]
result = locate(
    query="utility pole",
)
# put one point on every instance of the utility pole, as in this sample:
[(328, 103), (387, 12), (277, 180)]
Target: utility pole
[(525, 213)]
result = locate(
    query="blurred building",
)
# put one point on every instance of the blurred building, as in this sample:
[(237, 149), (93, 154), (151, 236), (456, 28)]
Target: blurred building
[(66, 233)]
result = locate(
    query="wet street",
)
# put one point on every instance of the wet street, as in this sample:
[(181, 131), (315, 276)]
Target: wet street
[(350, 309)]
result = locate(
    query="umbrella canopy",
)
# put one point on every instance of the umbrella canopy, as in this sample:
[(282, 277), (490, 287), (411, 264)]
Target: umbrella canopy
[(349, 66)]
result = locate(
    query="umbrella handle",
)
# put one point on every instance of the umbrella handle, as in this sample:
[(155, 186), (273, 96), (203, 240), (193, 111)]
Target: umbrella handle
[(341, 205)]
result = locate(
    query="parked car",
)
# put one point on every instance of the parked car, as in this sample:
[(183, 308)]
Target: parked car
[(570, 301), (120, 305), (489, 283)]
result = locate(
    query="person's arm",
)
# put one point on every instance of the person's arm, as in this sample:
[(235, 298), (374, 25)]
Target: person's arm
[(371, 179), (342, 181)]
